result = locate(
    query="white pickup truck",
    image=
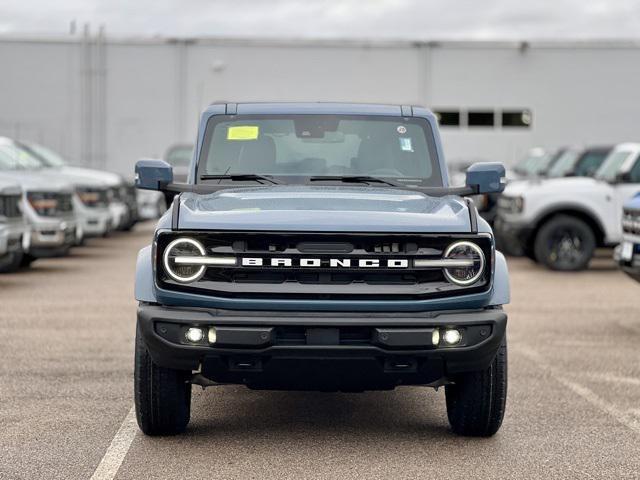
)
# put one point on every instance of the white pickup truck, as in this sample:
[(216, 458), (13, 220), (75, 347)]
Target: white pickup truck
[(560, 222)]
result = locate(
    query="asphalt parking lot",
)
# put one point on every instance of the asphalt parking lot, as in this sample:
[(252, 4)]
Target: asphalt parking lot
[(66, 339)]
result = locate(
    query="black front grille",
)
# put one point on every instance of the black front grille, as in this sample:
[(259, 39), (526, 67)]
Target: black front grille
[(631, 221), (10, 206), (94, 197), (65, 204), (324, 282), (51, 204)]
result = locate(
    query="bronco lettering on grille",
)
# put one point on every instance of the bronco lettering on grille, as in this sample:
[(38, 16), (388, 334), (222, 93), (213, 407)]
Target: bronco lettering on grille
[(328, 262)]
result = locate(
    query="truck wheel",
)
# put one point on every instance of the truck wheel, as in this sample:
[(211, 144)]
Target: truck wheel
[(162, 395), (565, 243), (476, 402), (11, 262), (26, 260)]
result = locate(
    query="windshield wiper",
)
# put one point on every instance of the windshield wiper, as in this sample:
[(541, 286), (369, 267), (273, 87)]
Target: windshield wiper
[(353, 179), (240, 177)]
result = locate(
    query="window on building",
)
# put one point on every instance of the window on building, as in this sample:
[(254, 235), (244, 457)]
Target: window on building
[(516, 118), (481, 118), (448, 118)]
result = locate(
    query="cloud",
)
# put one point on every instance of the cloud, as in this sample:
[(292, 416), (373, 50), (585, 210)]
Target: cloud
[(402, 19)]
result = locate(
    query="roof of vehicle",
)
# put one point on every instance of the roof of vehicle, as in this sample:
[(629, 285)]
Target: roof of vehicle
[(325, 108), (627, 146), (597, 148)]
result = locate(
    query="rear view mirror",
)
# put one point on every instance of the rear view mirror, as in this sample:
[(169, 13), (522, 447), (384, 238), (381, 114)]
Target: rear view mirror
[(153, 174), (486, 177)]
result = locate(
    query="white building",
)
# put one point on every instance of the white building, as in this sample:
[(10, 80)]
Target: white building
[(108, 102)]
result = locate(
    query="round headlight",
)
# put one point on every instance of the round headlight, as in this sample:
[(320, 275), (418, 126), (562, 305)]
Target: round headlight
[(475, 263), (178, 250)]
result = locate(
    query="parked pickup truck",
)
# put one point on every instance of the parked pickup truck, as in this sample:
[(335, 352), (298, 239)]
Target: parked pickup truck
[(47, 206), (560, 222), (627, 254), (319, 247)]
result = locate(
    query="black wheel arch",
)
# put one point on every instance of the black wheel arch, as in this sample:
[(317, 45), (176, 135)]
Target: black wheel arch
[(576, 211)]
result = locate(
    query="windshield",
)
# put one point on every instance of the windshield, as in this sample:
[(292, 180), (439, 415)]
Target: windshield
[(564, 164), (543, 164), (289, 146), (589, 162), (611, 167), (534, 163), (14, 158), (48, 157), (179, 155)]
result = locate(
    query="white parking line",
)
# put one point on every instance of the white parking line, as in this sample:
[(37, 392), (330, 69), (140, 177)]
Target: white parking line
[(113, 457), (587, 394), (613, 378)]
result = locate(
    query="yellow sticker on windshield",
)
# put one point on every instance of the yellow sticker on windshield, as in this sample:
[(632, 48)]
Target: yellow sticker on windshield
[(243, 132)]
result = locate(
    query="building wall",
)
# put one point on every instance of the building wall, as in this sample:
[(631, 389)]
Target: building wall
[(107, 103)]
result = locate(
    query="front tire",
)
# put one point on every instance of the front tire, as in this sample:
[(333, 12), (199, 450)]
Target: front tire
[(11, 262), (162, 395), (565, 243), (26, 260), (476, 402)]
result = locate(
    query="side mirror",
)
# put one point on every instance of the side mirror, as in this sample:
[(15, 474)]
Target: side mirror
[(153, 174), (486, 177)]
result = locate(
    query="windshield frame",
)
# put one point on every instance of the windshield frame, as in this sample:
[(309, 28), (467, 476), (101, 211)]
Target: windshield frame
[(437, 180)]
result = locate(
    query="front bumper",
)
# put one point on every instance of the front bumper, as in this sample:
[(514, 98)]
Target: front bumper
[(322, 350), (11, 235), (119, 213), (51, 236), (95, 222)]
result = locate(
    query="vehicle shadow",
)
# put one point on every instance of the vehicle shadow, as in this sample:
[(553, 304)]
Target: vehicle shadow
[(405, 413)]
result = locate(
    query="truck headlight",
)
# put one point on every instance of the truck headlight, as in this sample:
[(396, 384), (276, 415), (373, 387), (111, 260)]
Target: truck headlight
[(183, 272), (472, 271), (511, 204)]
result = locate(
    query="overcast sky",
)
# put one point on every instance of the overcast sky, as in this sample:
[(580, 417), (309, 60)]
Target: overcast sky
[(390, 19)]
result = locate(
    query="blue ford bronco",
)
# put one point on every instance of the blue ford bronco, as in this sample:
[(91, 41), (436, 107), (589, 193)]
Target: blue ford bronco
[(319, 246)]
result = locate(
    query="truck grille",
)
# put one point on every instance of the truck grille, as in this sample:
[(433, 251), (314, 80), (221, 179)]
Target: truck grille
[(631, 221), (10, 206), (322, 280), (51, 204), (94, 197)]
